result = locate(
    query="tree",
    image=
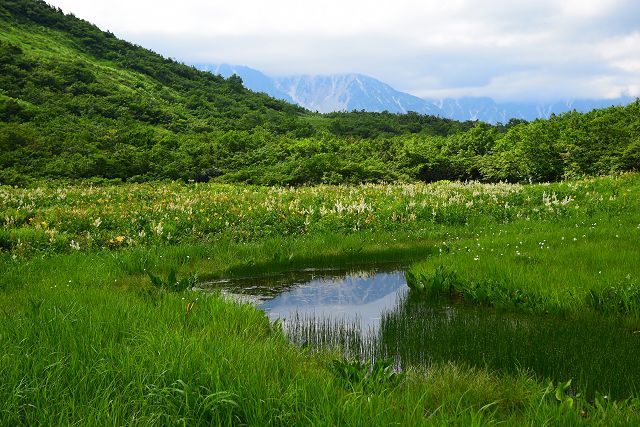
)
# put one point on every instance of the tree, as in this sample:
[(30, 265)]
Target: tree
[(235, 83)]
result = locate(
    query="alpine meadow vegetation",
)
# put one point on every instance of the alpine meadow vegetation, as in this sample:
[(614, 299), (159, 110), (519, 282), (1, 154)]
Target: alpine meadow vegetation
[(129, 180)]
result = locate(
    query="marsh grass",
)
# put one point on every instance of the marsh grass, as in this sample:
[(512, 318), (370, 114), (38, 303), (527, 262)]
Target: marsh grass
[(344, 337), (596, 352), (99, 356), (129, 267), (171, 283), (559, 267), (85, 339)]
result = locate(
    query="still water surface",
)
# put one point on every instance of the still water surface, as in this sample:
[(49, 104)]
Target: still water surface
[(371, 314)]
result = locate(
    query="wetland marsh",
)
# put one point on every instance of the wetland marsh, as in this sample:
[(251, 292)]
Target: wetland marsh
[(370, 315), (524, 304)]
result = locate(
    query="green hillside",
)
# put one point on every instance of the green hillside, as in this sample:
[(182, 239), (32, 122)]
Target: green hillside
[(76, 103)]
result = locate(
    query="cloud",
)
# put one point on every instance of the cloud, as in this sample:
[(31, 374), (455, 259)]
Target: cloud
[(530, 49)]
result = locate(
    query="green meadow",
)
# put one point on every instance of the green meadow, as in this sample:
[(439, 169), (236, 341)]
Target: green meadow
[(89, 337), (129, 181)]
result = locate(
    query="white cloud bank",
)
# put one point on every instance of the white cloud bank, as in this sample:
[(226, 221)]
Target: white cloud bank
[(506, 49)]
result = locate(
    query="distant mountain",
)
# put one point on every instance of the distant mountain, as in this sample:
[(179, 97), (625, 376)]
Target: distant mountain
[(337, 92), (348, 92), (490, 111)]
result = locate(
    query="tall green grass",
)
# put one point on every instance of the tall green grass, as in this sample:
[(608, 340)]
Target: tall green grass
[(129, 266), (561, 267), (598, 353), (86, 339), (93, 356)]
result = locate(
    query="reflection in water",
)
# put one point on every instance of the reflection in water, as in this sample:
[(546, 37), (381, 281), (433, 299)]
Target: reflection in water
[(357, 299), (372, 315)]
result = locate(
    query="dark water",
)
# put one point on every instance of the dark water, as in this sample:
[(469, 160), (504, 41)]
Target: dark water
[(372, 314)]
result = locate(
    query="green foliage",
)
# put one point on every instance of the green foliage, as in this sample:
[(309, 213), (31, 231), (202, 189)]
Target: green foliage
[(197, 403), (565, 395), (558, 264), (78, 103), (622, 299), (172, 283), (488, 292), (442, 282), (100, 215), (364, 376)]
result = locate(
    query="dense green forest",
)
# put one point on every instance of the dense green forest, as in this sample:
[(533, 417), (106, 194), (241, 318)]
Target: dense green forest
[(77, 103)]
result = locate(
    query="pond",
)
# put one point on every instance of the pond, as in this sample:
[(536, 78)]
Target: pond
[(372, 314)]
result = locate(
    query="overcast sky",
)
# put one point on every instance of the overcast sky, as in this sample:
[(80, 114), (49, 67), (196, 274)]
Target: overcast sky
[(506, 49)]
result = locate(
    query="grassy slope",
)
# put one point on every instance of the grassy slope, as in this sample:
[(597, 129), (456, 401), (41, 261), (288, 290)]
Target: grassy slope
[(120, 111), (76, 102), (52, 48)]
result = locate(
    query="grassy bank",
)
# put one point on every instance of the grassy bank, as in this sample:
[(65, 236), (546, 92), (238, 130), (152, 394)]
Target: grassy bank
[(128, 267), (86, 339), (559, 267), (80, 353)]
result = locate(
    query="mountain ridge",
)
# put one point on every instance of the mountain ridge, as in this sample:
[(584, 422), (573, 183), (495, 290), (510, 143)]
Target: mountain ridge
[(355, 91)]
